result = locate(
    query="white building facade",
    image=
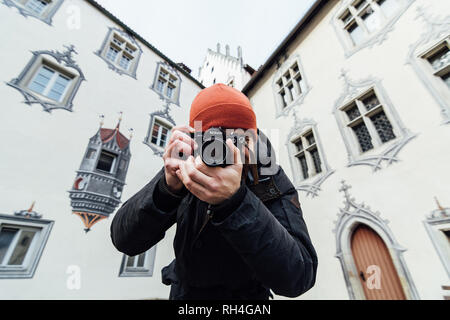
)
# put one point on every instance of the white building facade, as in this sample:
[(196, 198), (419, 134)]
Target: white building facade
[(87, 106), (222, 67), (357, 101)]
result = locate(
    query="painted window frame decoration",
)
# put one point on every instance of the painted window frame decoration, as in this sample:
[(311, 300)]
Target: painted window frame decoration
[(26, 220), (171, 73), (287, 68), (387, 151), (436, 33), (436, 223), (373, 38), (348, 219), (61, 62), (165, 118), (127, 41), (145, 271), (312, 184), (45, 16)]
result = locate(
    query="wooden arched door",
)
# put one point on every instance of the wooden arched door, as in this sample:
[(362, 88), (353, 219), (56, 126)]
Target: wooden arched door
[(376, 270)]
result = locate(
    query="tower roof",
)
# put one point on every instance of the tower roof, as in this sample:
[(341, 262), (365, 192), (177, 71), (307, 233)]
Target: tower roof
[(108, 134)]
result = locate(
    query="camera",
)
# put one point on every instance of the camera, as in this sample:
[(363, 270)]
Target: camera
[(213, 149)]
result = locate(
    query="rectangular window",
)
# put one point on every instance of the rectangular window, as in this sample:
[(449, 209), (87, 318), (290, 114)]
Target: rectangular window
[(140, 265), (90, 154), (290, 86), (22, 242), (106, 161), (370, 124), (159, 134), (167, 84), (120, 52), (50, 83), (363, 18), (307, 153)]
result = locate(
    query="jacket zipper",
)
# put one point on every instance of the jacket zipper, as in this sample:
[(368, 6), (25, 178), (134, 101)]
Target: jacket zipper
[(209, 215)]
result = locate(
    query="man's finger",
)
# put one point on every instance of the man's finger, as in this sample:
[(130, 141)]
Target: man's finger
[(176, 147), (194, 187), (180, 135), (198, 176)]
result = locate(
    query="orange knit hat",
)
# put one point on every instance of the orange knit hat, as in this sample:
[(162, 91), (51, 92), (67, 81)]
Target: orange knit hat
[(222, 106)]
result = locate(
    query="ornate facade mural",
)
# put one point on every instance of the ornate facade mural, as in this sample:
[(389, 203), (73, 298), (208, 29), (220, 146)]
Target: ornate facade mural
[(99, 182), (53, 86)]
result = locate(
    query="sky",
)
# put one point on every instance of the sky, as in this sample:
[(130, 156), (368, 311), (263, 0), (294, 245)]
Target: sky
[(184, 30)]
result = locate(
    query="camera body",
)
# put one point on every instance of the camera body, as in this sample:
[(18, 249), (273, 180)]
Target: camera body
[(213, 149)]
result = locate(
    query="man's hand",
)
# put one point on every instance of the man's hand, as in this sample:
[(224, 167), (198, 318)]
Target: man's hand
[(179, 141), (211, 184)]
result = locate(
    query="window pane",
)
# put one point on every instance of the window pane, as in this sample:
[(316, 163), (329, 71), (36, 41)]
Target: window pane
[(310, 139), (41, 80), (353, 112), (130, 262), (283, 98), (106, 161), (316, 160), (446, 79), (155, 132), (124, 62), (363, 136), (389, 7), (359, 4), (371, 102), (112, 54), (169, 91), (440, 59), (303, 166), (347, 17), (383, 126), (36, 6), (21, 249), (371, 20), (59, 87), (141, 260), (6, 237), (356, 33), (299, 145), (90, 154), (160, 85)]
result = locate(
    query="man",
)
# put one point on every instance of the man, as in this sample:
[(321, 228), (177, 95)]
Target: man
[(240, 232)]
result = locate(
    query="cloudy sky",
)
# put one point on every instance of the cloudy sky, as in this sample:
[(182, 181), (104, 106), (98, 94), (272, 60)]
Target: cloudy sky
[(184, 29)]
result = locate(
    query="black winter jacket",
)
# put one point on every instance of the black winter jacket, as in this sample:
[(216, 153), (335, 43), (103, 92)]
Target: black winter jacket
[(255, 242)]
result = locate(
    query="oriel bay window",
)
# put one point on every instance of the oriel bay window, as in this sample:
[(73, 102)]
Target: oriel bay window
[(367, 120)]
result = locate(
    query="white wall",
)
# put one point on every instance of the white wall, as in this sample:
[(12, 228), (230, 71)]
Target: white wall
[(403, 192), (42, 151)]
